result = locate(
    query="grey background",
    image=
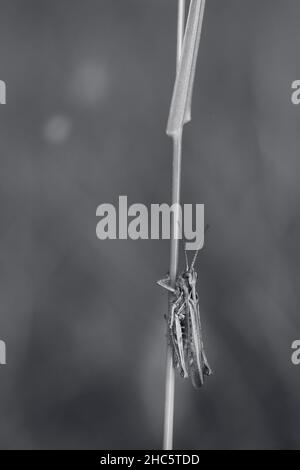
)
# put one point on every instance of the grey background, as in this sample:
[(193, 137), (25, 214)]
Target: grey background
[(89, 87)]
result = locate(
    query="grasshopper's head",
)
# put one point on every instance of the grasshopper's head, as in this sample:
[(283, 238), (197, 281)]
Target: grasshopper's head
[(190, 276)]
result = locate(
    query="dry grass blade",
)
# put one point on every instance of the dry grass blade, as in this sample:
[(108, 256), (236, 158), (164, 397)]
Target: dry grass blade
[(180, 111)]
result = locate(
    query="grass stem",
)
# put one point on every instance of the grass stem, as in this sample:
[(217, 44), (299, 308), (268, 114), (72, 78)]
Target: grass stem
[(188, 39), (176, 179)]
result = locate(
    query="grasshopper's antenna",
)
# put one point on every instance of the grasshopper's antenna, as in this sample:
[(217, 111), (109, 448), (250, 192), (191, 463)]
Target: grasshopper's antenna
[(187, 267), (197, 252), (194, 260), (187, 50), (191, 267), (186, 258)]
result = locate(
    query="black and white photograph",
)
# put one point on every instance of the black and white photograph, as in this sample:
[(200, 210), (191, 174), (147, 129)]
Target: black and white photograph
[(149, 202)]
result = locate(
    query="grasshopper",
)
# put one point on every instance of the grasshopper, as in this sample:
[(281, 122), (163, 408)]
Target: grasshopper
[(184, 325)]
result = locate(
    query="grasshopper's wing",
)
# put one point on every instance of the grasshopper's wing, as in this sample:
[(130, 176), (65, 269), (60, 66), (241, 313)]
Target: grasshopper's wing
[(206, 370), (206, 367), (194, 344)]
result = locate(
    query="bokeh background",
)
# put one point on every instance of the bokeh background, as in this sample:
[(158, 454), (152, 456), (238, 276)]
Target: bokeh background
[(89, 87)]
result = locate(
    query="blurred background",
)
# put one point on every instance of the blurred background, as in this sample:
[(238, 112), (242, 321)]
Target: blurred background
[(88, 92)]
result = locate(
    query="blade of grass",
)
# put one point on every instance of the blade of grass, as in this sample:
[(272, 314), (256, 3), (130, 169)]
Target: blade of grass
[(180, 112), (188, 111)]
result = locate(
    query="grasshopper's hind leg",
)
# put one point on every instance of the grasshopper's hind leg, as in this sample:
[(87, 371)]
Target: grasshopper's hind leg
[(180, 346), (206, 367)]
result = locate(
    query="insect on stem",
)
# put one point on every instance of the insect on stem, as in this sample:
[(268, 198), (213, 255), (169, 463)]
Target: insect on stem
[(188, 38)]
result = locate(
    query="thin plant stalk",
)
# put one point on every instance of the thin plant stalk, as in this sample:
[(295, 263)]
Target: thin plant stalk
[(176, 179), (188, 39)]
